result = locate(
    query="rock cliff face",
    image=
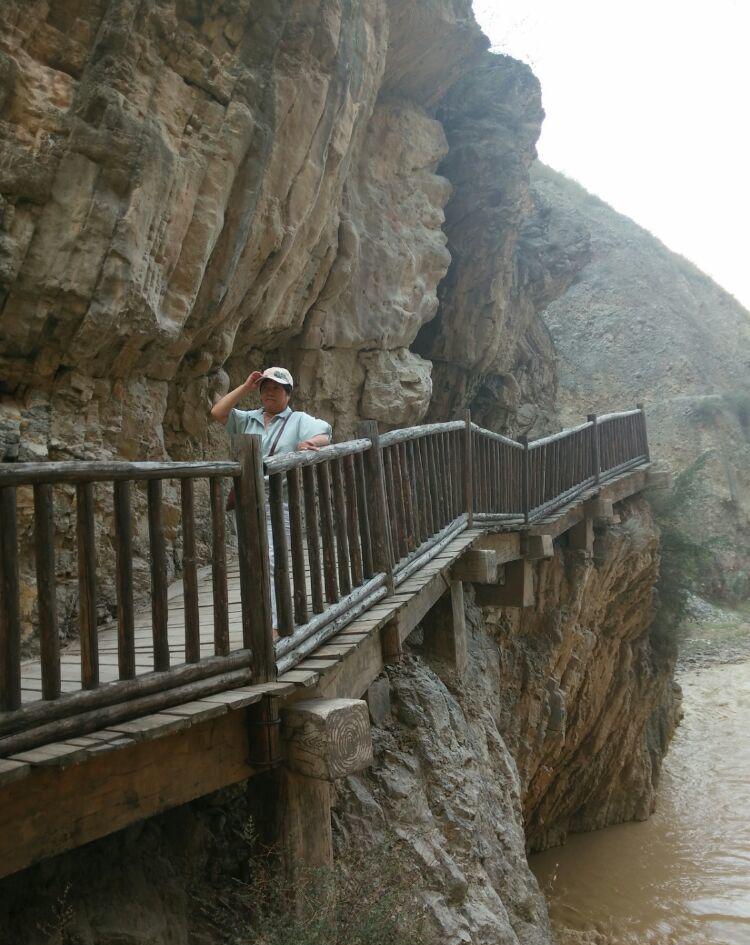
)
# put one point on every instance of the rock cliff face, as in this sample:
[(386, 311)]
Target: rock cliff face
[(189, 190), (639, 323)]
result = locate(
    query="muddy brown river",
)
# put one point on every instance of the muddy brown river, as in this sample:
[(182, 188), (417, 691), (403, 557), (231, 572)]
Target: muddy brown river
[(683, 877)]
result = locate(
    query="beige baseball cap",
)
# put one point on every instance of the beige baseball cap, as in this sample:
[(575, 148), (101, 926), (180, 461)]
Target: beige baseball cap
[(278, 374)]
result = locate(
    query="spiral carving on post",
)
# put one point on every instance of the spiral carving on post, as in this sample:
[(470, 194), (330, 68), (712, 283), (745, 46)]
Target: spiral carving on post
[(350, 748), (328, 738)]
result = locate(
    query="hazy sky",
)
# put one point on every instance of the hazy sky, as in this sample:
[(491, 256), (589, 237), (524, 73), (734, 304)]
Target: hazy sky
[(648, 106)]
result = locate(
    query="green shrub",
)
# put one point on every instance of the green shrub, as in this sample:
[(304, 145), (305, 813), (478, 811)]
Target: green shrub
[(683, 560)]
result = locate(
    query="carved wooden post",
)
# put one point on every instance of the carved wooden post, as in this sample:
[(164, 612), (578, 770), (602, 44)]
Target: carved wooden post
[(524, 441), (467, 466), (325, 739), (595, 447), (255, 574), (382, 555)]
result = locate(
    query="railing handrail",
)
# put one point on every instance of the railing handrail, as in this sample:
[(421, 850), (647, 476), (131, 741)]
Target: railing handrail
[(498, 437), (561, 435), (618, 415), (413, 433), (75, 471), (286, 461)]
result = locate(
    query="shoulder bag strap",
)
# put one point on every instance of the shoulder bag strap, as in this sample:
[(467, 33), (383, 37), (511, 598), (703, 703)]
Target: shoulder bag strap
[(279, 432)]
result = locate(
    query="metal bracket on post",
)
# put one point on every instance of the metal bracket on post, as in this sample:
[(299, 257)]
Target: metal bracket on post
[(468, 469), (382, 542), (595, 447), (524, 441), (264, 733)]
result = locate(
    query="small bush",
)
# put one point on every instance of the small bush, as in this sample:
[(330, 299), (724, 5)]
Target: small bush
[(683, 560), (367, 898)]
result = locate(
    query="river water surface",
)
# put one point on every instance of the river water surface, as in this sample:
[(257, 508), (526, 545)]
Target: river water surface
[(683, 877)]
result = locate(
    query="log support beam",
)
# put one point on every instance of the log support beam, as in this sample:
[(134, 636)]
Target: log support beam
[(581, 536), (535, 547), (516, 591), (477, 567), (446, 637)]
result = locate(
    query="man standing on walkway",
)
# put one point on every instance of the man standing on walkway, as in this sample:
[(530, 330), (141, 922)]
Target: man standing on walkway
[(282, 430)]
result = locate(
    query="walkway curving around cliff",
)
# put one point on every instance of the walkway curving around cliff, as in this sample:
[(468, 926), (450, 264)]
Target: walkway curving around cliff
[(186, 697)]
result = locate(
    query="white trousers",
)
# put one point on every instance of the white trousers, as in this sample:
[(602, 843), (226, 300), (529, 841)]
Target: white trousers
[(274, 608)]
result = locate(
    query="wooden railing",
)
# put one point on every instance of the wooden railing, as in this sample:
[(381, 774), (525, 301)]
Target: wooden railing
[(362, 517)]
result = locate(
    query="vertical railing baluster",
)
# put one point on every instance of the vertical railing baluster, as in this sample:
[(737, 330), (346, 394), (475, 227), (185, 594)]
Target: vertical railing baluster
[(326, 532), (190, 572), (10, 613), (643, 449), (255, 574), (312, 528), (410, 532), (124, 580), (390, 491), (424, 464), (417, 488), (339, 520), (364, 516), (159, 612), (352, 520), (284, 611), (467, 468), (87, 585), (297, 539), (377, 503), (219, 568), (44, 553), (524, 441)]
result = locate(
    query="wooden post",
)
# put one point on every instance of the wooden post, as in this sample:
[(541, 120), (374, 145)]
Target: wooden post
[(644, 432), (190, 574), (467, 468), (220, 595), (524, 441), (390, 642), (44, 548), (297, 538), (87, 585), (284, 611), (377, 504), (255, 574), (10, 612), (124, 580), (595, 459), (581, 536), (325, 739), (159, 612), (446, 637)]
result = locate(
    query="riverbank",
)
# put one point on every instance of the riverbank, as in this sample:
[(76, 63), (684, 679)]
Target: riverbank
[(681, 877)]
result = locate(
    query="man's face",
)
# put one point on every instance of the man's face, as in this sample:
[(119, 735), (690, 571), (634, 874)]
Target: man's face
[(273, 396)]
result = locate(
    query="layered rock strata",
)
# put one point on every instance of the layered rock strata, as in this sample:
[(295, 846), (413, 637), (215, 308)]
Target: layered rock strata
[(189, 190)]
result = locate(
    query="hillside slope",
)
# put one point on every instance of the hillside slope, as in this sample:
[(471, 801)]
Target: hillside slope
[(639, 323)]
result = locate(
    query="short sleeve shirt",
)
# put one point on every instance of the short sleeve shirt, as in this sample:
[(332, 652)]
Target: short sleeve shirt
[(300, 426)]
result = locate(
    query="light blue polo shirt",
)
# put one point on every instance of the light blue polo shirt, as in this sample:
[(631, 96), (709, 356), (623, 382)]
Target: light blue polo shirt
[(300, 426)]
